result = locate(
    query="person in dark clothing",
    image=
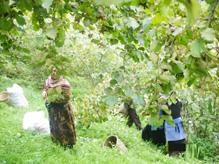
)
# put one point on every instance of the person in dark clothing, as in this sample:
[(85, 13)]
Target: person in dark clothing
[(155, 134), (132, 116), (175, 134), (175, 109)]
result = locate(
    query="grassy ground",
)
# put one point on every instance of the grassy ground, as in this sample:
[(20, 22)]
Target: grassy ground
[(19, 146)]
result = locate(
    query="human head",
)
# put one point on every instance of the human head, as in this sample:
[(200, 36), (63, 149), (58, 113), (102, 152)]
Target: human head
[(54, 74)]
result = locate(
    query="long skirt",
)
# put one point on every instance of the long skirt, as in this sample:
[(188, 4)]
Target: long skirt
[(61, 120)]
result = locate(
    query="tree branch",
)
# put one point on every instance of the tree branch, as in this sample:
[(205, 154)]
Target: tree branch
[(211, 14)]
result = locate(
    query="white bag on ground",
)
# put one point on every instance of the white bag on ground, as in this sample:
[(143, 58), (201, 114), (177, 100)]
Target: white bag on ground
[(16, 96), (35, 121)]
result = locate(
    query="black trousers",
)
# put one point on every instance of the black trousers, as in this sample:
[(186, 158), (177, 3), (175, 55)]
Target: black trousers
[(176, 147)]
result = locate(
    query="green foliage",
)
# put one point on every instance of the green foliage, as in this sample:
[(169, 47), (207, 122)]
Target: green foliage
[(55, 94)]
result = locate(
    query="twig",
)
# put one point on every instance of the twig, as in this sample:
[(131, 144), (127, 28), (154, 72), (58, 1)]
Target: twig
[(213, 6)]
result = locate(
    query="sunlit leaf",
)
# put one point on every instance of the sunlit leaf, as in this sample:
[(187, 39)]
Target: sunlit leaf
[(197, 48), (132, 23), (177, 31), (146, 21), (208, 34), (51, 33), (47, 3)]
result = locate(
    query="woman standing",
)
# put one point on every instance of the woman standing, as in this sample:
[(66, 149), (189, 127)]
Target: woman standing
[(57, 93)]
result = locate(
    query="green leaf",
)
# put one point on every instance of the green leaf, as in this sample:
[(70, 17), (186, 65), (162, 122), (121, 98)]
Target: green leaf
[(113, 82), (25, 5), (166, 88), (20, 20), (6, 24), (177, 67), (165, 109), (47, 3), (173, 100), (111, 100), (132, 23), (138, 100), (208, 34), (108, 90), (60, 38), (197, 47), (55, 94), (168, 119), (119, 91), (4, 7), (158, 18), (51, 33), (78, 26), (155, 120)]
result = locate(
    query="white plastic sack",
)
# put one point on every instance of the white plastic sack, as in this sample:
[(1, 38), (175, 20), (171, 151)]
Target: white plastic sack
[(16, 96), (35, 121)]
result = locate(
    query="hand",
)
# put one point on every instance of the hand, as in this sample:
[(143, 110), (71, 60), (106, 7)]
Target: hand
[(44, 94)]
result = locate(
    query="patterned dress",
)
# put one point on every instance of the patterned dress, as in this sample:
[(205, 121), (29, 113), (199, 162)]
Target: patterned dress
[(61, 118)]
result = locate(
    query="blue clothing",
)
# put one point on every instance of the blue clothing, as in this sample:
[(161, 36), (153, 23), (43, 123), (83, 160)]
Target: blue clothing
[(174, 133)]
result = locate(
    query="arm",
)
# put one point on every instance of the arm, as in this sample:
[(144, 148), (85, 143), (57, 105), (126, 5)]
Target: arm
[(44, 92), (66, 89), (130, 121), (135, 118)]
